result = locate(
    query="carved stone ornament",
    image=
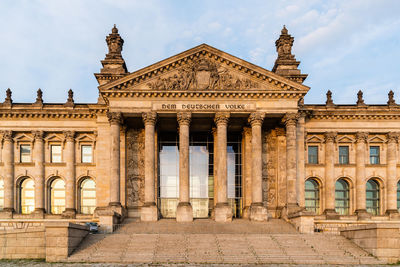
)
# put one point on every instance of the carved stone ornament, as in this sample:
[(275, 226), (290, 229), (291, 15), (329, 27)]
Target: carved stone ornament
[(221, 118), (284, 45), (393, 137), (184, 118), (290, 119), (70, 100), (114, 43), (360, 100), (361, 137), (256, 118), (7, 136), (38, 135), (329, 101), (8, 99), (330, 137), (391, 101), (202, 74), (69, 135), (39, 98), (115, 117), (149, 117)]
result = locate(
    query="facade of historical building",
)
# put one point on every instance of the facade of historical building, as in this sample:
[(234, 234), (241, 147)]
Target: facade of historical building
[(202, 134)]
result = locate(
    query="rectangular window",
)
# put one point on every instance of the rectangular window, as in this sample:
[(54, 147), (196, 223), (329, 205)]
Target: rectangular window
[(343, 155), (313, 154), (87, 154), (374, 155), (55, 153), (25, 153)]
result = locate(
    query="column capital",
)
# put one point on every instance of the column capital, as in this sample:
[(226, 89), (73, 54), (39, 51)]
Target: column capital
[(256, 118), (115, 118), (184, 118), (149, 117), (361, 137), (392, 137), (7, 135), (38, 135), (221, 118), (330, 137), (69, 136), (290, 119), (247, 130)]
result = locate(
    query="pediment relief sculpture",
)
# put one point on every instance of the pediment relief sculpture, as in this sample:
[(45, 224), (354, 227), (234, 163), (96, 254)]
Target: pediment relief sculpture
[(203, 74)]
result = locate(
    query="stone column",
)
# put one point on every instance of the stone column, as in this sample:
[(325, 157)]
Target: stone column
[(115, 119), (391, 174), (8, 158), (184, 212), (247, 179), (38, 157), (300, 159), (329, 211), (257, 211), (223, 212), (290, 121), (149, 209), (361, 138), (70, 207), (214, 132)]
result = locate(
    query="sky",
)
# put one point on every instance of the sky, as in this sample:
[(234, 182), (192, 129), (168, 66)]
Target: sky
[(344, 46)]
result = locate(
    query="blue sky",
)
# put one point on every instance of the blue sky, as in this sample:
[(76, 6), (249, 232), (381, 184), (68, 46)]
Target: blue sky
[(344, 46)]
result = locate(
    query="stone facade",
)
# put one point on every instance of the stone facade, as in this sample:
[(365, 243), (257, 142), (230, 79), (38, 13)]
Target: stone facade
[(202, 90)]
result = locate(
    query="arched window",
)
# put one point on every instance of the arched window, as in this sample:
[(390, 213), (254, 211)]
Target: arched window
[(1, 194), (312, 195), (342, 198), (372, 197), (57, 196), (27, 196), (398, 195), (87, 196)]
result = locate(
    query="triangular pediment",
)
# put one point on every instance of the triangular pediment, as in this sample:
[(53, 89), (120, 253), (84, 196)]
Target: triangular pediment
[(204, 68), (376, 139), (345, 139), (314, 139)]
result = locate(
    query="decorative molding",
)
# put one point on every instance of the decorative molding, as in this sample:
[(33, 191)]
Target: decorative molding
[(38, 135), (290, 119), (184, 118), (69, 136), (8, 135), (115, 117), (221, 118), (392, 137), (149, 117), (330, 137), (361, 137), (256, 118)]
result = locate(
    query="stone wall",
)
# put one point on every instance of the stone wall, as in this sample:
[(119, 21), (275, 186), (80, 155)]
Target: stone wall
[(23, 243), (382, 240), (135, 171)]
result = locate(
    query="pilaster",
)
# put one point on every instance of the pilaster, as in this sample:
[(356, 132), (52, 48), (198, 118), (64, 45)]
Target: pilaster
[(361, 138), (70, 205)]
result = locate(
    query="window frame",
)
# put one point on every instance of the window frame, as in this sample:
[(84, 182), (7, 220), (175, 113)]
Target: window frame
[(309, 156), (347, 157), (51, 153), (91, 153), (376, 209), (375, 156), (80, 195), (51, 195), (21, 195), (21, 153), (317, 192), (345, 208)]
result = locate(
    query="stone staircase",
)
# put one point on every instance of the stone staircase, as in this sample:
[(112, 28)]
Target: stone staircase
[(205, 241)]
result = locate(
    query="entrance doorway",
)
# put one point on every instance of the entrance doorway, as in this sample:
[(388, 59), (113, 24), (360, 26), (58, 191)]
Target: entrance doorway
[(201, 160)]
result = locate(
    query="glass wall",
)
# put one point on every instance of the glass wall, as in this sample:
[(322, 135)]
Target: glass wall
[(342, 197)]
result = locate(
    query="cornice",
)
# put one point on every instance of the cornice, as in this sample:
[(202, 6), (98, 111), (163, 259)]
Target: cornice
[(195, 53)]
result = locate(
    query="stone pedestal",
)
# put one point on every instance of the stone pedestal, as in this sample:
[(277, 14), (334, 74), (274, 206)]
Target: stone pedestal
[(149, 213), (184, 212), (362, 214), (331, 214), (223, 212), (108, 219), (69, 213), (6, 213), (258, 212), (38, 213)]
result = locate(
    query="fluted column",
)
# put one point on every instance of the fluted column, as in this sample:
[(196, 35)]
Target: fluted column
[(70, 207), (290, 121), (300, 159), (361, 138), (223, 212), (115, 119), (184, 211), (329, 211), (247, 179), (8, 158), (257, 211), (149, 209), (38, 157), (391, 174)]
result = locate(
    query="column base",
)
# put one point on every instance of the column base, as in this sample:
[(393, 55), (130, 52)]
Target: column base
[(184, 212), (258, 212), (149, 212), (246, 212), (362, 214), (117, 208), (290, 210), (331, 214), (393, 214), (223, 212), (69, 214), (38, 213), (6, 213)]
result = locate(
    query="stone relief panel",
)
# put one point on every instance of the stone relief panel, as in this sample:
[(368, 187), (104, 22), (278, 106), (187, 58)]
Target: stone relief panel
[(202, 74), (135, 167), (269, 169), (281, 166)]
